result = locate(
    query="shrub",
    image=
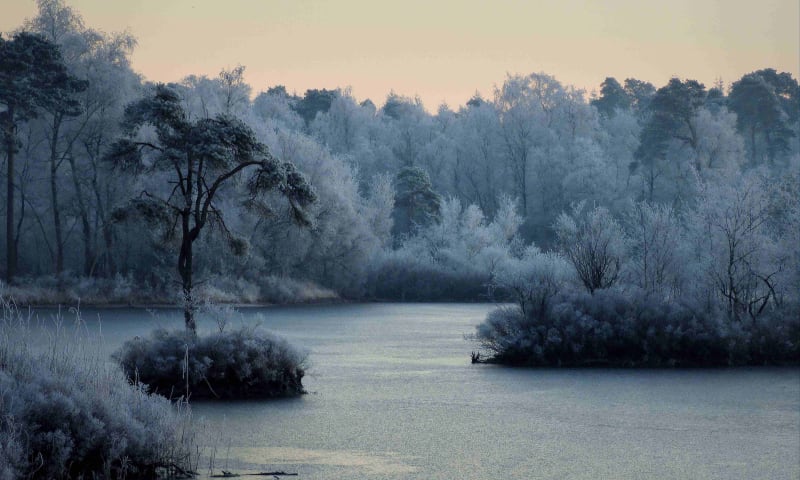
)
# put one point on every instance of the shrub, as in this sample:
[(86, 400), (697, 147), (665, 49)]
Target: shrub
[(67, 413), (611, 328), (69, 289), (238, 364), (398, 276)]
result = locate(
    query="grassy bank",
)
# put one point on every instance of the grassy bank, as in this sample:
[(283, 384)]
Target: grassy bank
[(122, 290), (65, 412)]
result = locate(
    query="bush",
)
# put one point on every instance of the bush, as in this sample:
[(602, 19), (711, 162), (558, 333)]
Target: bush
[(69, 289), (67, 413), (243, 363), (611, 328), (399, 277)]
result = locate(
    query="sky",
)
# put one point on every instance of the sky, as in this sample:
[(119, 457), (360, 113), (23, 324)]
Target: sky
[(445, 50)]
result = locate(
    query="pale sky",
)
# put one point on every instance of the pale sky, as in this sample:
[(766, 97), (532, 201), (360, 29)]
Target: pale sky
[(445, 50)]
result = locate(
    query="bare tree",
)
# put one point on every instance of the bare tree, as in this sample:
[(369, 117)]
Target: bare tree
[(594, 243)]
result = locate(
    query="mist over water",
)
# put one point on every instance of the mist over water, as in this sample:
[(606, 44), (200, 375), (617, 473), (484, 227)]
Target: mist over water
[(392, 395)]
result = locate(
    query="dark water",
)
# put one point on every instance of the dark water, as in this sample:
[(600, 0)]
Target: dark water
[(394, 396)]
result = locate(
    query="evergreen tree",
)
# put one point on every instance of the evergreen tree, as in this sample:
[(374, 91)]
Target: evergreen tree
[(33, 77), (200, 157)]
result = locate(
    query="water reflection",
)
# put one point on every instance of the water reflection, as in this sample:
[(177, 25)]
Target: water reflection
[(395, 396)]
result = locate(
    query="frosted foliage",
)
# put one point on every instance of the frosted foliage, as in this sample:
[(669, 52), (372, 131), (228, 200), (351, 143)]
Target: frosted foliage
[(342, 238), (594, 243), (276, 109), (237, 363), (741, 255), (719, 146), (632, 329), (457, 257), (380, 206), (343, 127), (533, 279), (620, 139), (657, 241), (67, 413)]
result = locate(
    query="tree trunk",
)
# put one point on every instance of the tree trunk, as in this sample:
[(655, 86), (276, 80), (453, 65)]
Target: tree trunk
[(185, 271), (86, 228), (108, 264), (59, 267), (11, 253)]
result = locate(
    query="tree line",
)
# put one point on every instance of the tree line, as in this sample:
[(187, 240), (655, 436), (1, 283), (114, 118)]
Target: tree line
[(368, 200)]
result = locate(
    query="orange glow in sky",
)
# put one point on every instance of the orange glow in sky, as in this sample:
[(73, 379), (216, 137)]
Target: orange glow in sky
[(445, 50)]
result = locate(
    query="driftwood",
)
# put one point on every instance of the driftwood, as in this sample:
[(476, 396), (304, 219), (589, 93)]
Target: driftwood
[(227, 474)]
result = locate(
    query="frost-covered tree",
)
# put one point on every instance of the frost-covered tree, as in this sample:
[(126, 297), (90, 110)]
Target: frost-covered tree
[(533, 279), (111, 85), (276, 106), (524, 103), (477, 178), (672, 119), (595, 244), (416, 203), (655, 237), (200, 158), (619, 139), (741, 254), (407, 128), (348, 228), (342, 127)]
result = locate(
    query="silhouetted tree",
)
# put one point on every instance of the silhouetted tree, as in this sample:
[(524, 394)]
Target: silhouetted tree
[(640, 94), (200, 157), (760, 115), (415, 203), (672, 117), (612, 98), (313, 102), (33, 78)]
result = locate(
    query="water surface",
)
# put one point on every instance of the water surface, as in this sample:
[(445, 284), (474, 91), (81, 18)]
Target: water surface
[(393, 396)]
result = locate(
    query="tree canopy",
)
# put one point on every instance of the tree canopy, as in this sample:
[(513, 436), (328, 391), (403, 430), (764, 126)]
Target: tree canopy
[(33, 76), (201, 157)]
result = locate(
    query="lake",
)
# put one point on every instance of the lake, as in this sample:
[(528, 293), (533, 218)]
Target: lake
[(392, 395)]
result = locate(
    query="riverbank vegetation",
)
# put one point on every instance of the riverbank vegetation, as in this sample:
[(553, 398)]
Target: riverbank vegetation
[(656, 289), (65, 412)]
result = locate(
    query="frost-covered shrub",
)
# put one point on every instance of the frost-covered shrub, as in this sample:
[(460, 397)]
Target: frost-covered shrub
[(284, 290), (612, 328), (71, 290), (453, 259), (533, 279), (594, 243), (68, 289), (67, 413), (240, 363), (400, 276)]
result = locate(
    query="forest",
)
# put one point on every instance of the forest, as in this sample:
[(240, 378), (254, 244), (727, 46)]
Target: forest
[(637, 225), (680, 191)]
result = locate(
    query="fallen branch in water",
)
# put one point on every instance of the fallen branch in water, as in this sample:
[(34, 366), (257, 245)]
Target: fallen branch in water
[(227, 474)]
